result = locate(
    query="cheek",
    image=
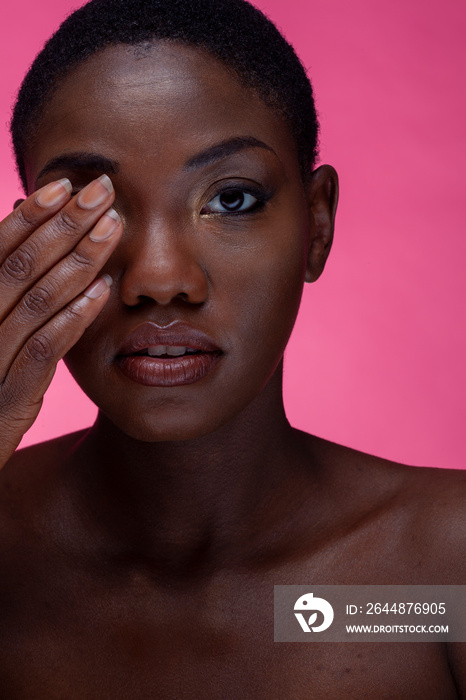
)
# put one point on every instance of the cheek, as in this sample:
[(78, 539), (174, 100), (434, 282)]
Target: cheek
[(261, 292)]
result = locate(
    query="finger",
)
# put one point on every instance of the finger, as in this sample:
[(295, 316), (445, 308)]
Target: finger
[(51, 242), (32, 213), (62, 284), (22, 391)]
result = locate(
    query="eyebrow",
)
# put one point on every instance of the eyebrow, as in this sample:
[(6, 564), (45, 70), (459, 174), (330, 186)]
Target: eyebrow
[(93, 161), (224, 149), (80, 161)]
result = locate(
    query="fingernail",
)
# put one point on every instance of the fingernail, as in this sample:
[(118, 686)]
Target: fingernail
[(95, 193), (54, 193), (99, 287), (105, 226)]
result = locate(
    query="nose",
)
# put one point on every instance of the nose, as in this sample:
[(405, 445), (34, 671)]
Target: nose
[(161, 264)]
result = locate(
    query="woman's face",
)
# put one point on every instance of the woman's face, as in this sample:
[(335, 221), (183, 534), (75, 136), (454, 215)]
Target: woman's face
[(217, 229)]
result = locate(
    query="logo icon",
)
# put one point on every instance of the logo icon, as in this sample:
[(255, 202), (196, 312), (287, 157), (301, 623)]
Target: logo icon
[(308, 603)]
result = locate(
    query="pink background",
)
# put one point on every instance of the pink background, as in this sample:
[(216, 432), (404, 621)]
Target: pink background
[(377, 360)]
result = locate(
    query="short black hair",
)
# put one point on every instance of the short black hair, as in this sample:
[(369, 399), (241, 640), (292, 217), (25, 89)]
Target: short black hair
[(233, 31)]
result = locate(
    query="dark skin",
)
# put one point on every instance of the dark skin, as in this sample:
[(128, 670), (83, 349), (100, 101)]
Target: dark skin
[(139, 556)]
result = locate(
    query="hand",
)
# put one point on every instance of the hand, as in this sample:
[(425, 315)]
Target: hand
[(52, 247)]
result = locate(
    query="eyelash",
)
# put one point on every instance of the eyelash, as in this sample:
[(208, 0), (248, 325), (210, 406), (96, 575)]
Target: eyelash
[(261, 197)]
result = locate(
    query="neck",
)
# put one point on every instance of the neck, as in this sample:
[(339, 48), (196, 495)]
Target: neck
[(185, 503)]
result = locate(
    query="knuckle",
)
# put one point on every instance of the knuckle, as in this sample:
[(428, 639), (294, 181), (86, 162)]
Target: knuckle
[(25, 218), (73, 313), (79, 258), (38, 301), (6, 399), (18, 266), (16, 417), (67, 224), (40, 348)]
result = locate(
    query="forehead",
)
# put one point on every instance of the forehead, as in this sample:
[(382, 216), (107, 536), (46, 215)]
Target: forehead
[(165, 98)]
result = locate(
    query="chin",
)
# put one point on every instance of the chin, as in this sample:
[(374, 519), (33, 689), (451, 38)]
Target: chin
[(176, 414), (150, 414)]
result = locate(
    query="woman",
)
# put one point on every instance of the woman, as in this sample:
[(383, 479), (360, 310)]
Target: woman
[(173, 215)]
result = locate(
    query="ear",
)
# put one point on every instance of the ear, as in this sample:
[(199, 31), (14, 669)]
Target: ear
[(17, 203), (323, 200)]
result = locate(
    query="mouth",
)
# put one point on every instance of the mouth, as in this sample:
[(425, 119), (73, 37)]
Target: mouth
[(167, 356), (167, 351)]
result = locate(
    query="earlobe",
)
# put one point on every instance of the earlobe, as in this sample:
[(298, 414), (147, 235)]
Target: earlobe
[(17, 203), (323, 200)]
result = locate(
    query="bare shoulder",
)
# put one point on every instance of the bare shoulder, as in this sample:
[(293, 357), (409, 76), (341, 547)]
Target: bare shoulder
[(43, 453), (440, 494), (28, 480), (429, 490), (414, 516), (437, 498)]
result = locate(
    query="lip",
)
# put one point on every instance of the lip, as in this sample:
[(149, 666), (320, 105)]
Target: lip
[(167, 371)]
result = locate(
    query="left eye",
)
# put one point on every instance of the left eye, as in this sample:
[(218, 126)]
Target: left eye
[(230, 201)]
